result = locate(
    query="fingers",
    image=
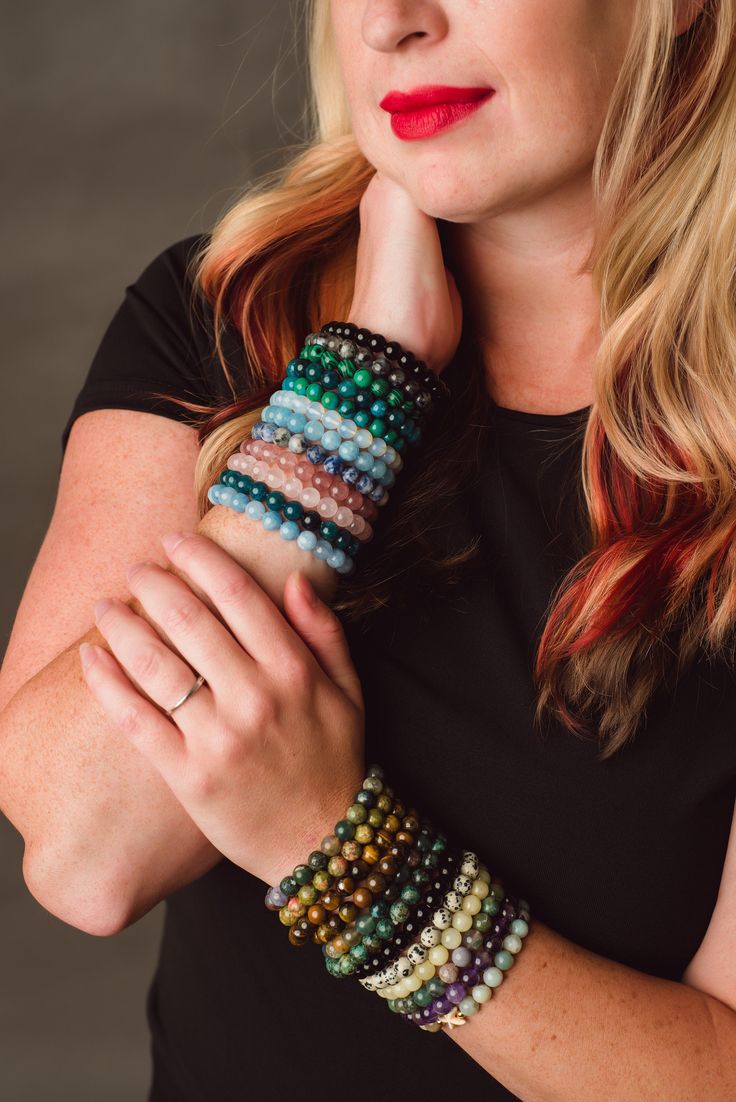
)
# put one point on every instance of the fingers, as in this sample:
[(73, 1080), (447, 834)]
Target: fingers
[(246, 608), (139, 720), (192, 628), (146, 659), (322, 631)]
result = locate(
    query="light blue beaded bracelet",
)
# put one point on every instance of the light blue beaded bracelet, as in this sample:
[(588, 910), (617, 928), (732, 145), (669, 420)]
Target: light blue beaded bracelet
[(287, 529), (344, 435)]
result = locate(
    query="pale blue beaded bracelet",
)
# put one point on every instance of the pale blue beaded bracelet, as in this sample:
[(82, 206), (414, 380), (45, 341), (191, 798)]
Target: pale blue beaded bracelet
[(288, 529), (328, 427)]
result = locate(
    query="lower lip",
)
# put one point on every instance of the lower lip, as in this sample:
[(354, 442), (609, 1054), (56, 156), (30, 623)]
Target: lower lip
[(413, 125)]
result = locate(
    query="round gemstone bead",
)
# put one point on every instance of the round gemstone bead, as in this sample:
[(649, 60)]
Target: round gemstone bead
[(471, 904), (455, 993), (436, 987), (451, 938), (513, 943), (448, 973), (431, 937), (442, 918), (493, 977)]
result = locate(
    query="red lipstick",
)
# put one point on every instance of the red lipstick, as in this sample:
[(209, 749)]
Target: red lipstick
[(430, 108)]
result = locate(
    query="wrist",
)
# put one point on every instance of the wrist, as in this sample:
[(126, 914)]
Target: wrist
[(267, 560)]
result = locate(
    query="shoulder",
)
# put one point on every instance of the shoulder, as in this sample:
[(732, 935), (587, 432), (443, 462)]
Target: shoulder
[(163, 288), (160, 340), (171, 266)]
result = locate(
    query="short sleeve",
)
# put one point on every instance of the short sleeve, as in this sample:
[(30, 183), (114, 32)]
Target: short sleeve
[(154, 342)]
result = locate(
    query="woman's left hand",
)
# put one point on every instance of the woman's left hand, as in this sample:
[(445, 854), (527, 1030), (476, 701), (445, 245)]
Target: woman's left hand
[(267, 755)]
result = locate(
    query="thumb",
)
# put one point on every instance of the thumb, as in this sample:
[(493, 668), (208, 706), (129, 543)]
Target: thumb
[(321, 630)]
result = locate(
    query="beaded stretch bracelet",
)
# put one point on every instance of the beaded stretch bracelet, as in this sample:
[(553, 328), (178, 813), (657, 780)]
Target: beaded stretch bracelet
[(462, 932), (349, 405)]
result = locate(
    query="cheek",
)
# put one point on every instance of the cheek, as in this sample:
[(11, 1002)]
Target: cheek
[(558, 69)]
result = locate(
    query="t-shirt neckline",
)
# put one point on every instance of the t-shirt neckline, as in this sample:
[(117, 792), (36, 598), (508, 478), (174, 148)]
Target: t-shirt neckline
[(570, 416)]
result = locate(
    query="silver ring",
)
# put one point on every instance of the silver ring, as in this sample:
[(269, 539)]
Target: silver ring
[(190, 692)]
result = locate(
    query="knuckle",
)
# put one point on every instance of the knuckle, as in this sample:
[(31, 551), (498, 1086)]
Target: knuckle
[(181, 616), (203, 783), (145, 663), (295, 672), (231, 588), (262, 710), (131, 720), (333, 626)]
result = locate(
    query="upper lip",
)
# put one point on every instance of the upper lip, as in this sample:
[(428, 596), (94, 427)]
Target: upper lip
[(427, 95)]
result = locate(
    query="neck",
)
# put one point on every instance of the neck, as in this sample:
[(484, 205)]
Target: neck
[(534, 314)]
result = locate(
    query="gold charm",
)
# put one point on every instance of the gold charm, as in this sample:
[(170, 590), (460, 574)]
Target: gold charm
[(452, 1018)]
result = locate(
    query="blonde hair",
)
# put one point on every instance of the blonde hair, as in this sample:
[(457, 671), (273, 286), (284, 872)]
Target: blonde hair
[(658, 581)]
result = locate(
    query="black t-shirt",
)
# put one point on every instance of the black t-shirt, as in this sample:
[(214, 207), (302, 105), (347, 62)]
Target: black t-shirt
[(623, 857)]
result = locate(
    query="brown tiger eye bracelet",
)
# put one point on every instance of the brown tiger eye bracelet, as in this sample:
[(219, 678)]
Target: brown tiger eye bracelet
[(382, 886), (338, 905)]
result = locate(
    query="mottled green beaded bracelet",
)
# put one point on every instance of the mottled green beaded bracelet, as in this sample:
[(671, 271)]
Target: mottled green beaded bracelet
[(382, 918), (346, 379), (346, 830)]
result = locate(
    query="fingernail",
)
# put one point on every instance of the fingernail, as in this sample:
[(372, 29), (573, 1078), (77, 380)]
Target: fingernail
[(306, 590), (133, 569), (171, 540), (101, 608), (87, 655)]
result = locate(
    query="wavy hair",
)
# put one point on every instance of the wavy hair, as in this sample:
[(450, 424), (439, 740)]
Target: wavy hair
[(657, 582)]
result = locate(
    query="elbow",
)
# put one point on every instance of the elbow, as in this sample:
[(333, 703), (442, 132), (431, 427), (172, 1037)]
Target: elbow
[(93, 906)]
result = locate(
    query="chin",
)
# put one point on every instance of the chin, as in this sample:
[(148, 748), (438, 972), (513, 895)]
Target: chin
[(443, 187), (450, 202)]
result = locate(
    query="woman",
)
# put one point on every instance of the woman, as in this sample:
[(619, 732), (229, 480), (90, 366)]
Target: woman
[(558, 550)]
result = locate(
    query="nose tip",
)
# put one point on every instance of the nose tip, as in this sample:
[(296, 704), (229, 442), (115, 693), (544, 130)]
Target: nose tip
[(391, 24)]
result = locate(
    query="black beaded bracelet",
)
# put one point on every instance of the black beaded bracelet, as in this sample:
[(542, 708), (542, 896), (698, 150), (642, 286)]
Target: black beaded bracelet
[(419, 917), (378, 345)]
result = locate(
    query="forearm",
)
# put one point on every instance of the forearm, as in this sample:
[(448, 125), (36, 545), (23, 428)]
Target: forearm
[(92, 811), (568, 1025), (105, 837)]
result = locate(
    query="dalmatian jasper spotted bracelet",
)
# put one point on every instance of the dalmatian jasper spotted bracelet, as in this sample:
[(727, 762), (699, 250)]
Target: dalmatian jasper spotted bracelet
[(435, 942)]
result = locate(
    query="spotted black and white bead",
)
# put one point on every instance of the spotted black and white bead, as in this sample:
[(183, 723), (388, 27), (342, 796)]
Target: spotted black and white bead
[(430, 936), (462, 884), (417, 954), (442, 918), (453, 901), (470, 864), (404, 967)]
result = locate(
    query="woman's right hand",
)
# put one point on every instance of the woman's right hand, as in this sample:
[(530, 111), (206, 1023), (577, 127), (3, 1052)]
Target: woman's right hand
[(402, 288)]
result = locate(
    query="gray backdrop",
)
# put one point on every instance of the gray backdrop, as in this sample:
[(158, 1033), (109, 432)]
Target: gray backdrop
[(126, 127)]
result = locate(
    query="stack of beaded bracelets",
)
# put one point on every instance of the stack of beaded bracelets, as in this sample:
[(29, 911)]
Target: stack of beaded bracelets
[(428, 930), (321, 459)]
